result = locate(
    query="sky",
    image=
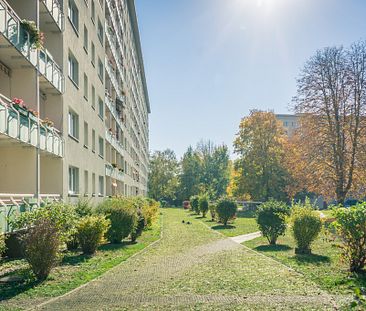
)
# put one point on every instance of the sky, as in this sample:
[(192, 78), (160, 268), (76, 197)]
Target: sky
[(209, 62)]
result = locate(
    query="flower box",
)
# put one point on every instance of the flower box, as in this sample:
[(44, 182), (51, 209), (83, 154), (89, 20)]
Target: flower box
[(23, 111)]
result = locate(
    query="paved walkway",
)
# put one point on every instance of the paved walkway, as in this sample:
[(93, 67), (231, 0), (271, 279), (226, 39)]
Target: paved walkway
[(246, 237), (192, 268)]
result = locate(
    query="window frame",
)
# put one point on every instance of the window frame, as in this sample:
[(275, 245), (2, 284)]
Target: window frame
[(73, 180), (73, 125)]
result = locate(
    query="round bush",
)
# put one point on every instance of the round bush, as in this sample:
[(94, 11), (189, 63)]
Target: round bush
[(212, 208), (306, 226), (226, 209), (42, 247), (195, 204), (90, 232), (348, 223), (271, 220), (203, 205), (122, 216), (139, 227)]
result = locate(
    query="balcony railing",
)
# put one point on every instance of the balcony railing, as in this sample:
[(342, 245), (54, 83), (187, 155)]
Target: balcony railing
[(114, 142), (112, 172), (113, 77), (55, 9), (11, 203), (10, 27), (24, 128), (112, 109)]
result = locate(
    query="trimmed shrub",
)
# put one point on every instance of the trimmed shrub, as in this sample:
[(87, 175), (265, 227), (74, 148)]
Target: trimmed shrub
[(203, 205), (271, 220), (226, 209), (139, 227), (195, 204), (350, 225), (90, 233), (62, 215), (42, 247), (2, 244), (150, 211), (122, 216), (306, 226), (212, 208), (83, 208)]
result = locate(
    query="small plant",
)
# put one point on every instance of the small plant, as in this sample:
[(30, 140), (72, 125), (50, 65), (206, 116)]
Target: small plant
[(139, 227), (226, 209), (47, 122), (150, 211), (42, 247), (271, 220), (83, 208), (2, 244), (203, 205), (36, 37), (122, 215), (90, 233), (306, 226), (195, 204), (212, 208), (350, 225)]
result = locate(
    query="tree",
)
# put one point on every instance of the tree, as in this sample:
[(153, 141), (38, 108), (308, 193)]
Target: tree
[(330, 141), (260, 145), (189, 179), (163, 176)]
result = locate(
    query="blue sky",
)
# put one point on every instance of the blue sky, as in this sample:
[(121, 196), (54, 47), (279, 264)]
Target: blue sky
[(209, 62)]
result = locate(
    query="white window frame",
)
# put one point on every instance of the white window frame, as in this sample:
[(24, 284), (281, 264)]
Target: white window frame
[(73, 120), (73, 180), (73, 15), (73, 69)]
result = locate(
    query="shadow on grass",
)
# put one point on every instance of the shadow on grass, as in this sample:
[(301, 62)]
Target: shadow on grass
[(12, 289), (311, 259), (246, 214), (272, 248), (222, 227)]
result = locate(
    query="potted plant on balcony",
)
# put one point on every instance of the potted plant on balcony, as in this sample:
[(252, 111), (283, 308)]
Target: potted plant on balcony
[(114, 165), (33, 115), (47, 123), (36, 38), (19, 105)]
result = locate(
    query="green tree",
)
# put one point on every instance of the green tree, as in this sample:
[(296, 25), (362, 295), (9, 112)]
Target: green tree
[(189, 179), (163, 176), (260, 145)]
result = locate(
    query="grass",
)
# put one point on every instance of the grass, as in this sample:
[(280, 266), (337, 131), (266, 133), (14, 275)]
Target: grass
[(75, 269), (323, 267), (243, 224)]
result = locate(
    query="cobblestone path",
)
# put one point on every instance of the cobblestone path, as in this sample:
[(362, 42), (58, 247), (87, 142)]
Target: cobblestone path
[(193, 268)]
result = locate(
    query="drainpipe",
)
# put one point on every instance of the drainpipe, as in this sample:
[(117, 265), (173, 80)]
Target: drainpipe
[(38, 177)]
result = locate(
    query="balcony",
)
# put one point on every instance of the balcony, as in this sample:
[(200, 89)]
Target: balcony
[(21, 127), (112, 172), (114, 143), (16, 51), (113, 77), (52, 17), (109, 103)]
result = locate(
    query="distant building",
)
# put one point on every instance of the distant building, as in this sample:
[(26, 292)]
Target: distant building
[(290, 122)]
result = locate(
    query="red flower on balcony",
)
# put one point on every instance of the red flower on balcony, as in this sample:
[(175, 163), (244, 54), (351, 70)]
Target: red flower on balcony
[(18, 101)]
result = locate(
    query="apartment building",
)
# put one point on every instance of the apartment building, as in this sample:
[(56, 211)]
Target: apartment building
[(290, 122), (74, 104)]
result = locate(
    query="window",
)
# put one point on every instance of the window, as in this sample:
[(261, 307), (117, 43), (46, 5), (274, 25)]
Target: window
[(93, 97), (92, 10), (74, 15), (73, 125), (100, 108), (93, 140), (86, 39), (73, 180), (86, 134), (93, 54), (101, 147), (73, 69), (86, 182), (101, 185), (93, 183), (85, 86), (100, 31), (100, 69)]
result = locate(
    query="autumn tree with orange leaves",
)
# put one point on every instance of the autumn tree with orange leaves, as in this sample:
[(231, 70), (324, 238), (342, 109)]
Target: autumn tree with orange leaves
[(260, 167), (327, 154)]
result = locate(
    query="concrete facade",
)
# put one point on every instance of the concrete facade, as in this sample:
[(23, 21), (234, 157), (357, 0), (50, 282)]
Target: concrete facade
[(89, 80), (290, 122)]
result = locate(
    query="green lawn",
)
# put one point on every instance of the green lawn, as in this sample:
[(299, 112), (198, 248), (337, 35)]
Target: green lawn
[(323, 267), (243, 224), (75, 269)]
